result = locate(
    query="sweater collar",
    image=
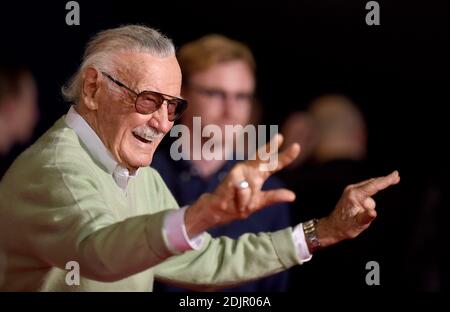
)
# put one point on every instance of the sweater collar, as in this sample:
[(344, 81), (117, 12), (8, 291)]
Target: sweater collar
[(97, 149)]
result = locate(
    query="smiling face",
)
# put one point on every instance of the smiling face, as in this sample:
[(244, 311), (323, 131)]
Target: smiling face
[(130, 136)]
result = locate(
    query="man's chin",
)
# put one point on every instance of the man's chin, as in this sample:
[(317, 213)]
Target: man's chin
[(138, 163)]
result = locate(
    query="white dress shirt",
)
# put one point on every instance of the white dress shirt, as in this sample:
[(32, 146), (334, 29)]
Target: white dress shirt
[(174, 226)]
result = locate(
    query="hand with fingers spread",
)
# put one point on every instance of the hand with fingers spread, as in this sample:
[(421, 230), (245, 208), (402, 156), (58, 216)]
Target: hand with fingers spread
[(355, 210), (240, 194)]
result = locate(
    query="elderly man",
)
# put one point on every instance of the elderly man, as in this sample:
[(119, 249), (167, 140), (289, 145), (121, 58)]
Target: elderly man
[(84, 192), (219, 83)]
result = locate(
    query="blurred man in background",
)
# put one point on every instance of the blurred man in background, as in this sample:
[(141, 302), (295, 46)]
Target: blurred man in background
[(18, 109), (299, 127), (334, 135), (219, 83)]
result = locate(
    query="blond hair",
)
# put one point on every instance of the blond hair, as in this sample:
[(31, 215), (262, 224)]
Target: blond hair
[(210, 50)]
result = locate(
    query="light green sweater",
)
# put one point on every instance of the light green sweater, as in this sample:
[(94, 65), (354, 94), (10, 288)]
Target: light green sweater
[(58, 205)]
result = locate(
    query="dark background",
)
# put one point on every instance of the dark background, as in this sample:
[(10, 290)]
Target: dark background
[(396, 72)]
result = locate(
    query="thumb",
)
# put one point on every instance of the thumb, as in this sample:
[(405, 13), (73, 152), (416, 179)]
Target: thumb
[(276, 196), (366, 217)]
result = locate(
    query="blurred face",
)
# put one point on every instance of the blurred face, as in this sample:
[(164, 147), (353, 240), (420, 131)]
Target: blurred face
[(131, 137), (220, 95), (25, 114)]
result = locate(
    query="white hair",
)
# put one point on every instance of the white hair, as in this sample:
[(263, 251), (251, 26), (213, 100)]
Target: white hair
[(101, 47)]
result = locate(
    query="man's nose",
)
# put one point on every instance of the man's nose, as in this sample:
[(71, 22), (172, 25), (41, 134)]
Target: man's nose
[(229, 105), (160, 119)]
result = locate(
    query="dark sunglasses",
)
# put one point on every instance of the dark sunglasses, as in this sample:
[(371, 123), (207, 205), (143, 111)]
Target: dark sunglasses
[(147, 102)]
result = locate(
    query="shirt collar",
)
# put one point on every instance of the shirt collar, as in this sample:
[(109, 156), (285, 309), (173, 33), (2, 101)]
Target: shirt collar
[(97, 149)]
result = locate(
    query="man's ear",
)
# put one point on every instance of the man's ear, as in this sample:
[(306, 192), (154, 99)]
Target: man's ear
[(91, 84)]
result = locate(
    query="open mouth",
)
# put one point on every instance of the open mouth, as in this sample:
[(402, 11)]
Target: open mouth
[(142, 139)]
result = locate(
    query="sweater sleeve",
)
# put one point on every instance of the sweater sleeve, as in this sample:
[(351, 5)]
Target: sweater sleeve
[(55, 214), (224, 262)]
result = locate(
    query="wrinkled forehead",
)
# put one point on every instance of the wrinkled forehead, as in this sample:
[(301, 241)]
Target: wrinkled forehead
[(144, 71)]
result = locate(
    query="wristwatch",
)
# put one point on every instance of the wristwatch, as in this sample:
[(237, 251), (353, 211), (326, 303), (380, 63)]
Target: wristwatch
[(309, 228)]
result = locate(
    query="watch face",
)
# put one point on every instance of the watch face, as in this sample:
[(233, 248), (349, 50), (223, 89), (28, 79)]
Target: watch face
[(310, 235)]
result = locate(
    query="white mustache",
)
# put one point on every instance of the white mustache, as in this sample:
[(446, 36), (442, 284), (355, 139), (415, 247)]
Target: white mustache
[(148, 133)]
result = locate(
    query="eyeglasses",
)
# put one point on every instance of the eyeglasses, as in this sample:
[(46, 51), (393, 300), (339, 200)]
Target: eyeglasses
[(147, 102), (222, 96)]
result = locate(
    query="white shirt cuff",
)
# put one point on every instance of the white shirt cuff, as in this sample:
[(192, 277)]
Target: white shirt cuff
[(300, 242), (176, 235)]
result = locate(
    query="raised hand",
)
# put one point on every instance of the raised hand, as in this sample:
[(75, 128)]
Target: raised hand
[(230, 201), (355, 210)]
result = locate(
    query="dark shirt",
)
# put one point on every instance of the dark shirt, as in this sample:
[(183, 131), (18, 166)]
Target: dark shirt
[(187, 185)]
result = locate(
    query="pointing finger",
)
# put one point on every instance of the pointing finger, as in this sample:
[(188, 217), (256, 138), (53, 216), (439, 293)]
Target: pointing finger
[(378, 184)]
